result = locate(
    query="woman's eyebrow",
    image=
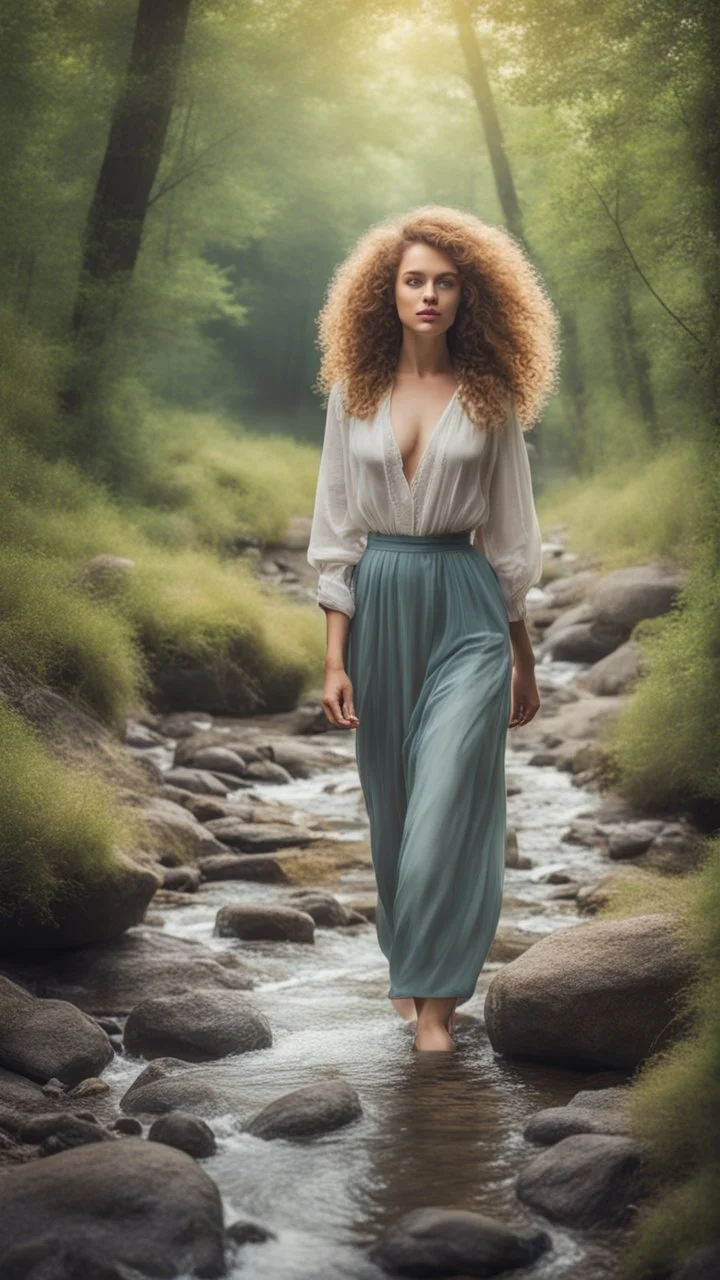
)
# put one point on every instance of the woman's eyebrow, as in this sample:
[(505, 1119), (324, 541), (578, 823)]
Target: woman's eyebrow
[(410, 272)]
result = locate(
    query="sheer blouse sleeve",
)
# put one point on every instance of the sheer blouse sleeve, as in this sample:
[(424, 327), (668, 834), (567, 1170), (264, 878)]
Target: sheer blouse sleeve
[(337, 537), (511, 536)]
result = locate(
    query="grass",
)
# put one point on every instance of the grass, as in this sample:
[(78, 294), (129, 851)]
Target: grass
[(60, 827)]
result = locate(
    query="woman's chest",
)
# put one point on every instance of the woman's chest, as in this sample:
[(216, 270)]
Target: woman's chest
[(455, 447)]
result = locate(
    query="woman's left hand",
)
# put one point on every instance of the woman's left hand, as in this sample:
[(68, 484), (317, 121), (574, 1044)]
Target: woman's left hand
[(525, 696)]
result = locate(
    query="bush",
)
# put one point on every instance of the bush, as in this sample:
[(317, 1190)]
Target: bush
[(675, 1101)]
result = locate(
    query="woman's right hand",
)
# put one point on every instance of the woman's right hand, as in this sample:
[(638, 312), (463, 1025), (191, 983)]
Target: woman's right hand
[(337, 699)]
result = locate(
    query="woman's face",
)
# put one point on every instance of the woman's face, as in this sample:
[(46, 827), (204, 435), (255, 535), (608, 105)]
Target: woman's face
[(427, 289)]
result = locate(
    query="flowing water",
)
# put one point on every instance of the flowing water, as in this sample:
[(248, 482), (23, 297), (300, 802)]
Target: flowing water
[(437, 1129)]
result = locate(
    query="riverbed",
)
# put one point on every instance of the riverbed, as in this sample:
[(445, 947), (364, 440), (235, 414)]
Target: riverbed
[(437, 1129)]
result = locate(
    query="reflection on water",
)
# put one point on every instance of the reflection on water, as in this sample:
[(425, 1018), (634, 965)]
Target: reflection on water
[(442, 1130)]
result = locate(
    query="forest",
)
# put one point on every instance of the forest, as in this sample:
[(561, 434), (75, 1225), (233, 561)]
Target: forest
[(181, 178)]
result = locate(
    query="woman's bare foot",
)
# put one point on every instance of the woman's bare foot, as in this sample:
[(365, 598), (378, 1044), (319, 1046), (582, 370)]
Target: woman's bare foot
[(434, 1036), (405, 1006), (434, 1025)]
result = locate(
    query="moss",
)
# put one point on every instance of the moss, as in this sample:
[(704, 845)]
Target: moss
[(60, 827)]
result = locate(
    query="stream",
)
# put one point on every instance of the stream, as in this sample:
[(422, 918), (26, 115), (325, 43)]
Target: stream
[(437, 1129)]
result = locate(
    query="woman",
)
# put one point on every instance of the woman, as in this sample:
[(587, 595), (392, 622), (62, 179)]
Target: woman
[(439, 347)]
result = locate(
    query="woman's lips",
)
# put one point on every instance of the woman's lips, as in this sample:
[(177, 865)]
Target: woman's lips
[(429, 315)]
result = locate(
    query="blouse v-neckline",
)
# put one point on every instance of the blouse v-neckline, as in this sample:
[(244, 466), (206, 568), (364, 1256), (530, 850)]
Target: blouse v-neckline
[(410, 484)]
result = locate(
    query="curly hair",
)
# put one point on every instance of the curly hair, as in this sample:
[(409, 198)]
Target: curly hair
[(504, 339)]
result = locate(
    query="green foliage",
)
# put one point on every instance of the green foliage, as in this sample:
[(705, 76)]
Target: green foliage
[(675, 1101), (59, 828), (667, 739), (644, 508)]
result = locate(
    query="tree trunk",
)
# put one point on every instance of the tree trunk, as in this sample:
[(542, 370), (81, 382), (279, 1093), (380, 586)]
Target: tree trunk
[(639, 361), (574, 393), (480, 84), (119, 207)]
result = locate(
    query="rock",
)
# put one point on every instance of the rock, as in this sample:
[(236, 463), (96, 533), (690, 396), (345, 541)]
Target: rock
[(173, 1086), (183, 724), (591, 995), (244, 1232), (181, 879), (509, 943), (215, 759), (703, 1264), (366, 907), (624, 597), (591, 898), (65, 1129), (572, 589), (141, 1204), (268, 771), (98, 910), (614, 1099), (324, 908), (198, 781), (104, 575), (552, 1124), (42, 1039), (632, 839), (128, 1125), (258, 837), (274, 924), (448, 1242), (312, 1109), (118, 975), (586, 1180), (186, 1133), (199, 1026), (675, 851), (93, 1087), (261, 867), (20, 1095), (617, 673)]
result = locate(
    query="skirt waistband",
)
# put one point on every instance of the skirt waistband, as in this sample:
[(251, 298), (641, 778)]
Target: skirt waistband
[(420, 541)]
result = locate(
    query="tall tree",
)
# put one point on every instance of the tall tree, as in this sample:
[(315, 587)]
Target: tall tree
[(117, 214)]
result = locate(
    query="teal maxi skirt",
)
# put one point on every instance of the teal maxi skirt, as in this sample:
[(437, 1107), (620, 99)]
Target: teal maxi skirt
[(430, 661)]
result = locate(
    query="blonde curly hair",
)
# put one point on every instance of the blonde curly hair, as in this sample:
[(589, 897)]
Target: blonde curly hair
[(504, 339)]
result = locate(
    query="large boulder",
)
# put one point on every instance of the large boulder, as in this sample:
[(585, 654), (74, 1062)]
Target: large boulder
[(198, 1026), (140, 1204), (593, 629), (591, 995), (614, 674), (46, 1039), (448, 1242), (95, 911), (114, 977), (173, 832), (586, 1180)]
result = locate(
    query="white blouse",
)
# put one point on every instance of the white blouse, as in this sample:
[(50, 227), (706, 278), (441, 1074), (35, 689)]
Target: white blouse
[(467, 478)]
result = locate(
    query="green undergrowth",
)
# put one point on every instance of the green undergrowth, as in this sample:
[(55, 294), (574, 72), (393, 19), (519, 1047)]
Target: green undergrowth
[(188, 593), (664, 748), (675, 1099), (631, 515), (61, 827)]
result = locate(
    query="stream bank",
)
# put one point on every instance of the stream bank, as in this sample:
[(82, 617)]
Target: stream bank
[(253, 814)]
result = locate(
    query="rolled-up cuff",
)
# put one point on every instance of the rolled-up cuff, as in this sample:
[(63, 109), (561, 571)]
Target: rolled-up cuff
[(517, 607), (333, 595)]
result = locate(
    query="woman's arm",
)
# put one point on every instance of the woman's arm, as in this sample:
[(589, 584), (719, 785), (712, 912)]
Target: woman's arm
[(512, 541), (336, 543)]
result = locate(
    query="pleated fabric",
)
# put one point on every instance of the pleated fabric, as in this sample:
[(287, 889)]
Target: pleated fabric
[(430, 660)]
